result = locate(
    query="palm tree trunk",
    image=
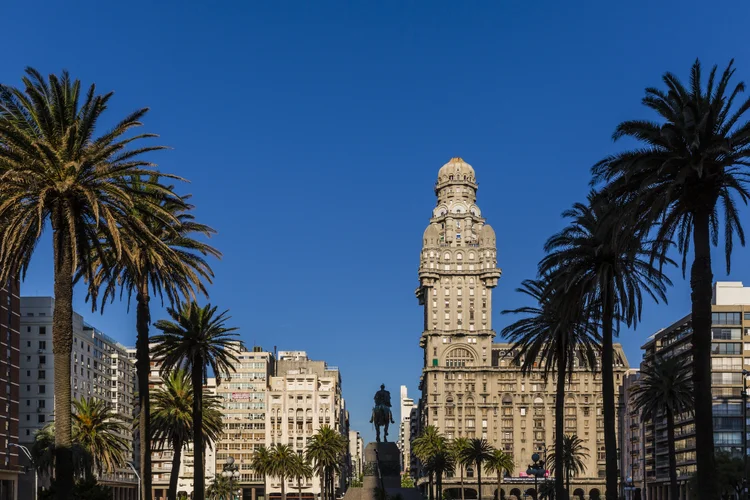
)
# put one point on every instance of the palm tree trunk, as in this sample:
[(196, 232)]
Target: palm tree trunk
[(674, 490), (430, 493), (608, 392), (439, 485), (299, 485), (62, 348), (461, 468), (562, 362), (283, 487), (479, 480), (143, 369), (174, 476), (199, 488), (499, 478), (701, 279), (323, 484)]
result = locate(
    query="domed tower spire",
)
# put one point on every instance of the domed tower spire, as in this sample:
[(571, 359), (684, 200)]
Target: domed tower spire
[(456, 180)]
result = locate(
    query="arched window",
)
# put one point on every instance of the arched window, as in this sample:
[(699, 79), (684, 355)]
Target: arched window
[(459, 357), (459, 256), (447, 256), (507, 399), (538, 401)]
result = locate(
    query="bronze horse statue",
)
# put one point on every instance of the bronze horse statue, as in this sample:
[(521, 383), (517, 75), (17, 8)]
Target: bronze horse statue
[(381, 414)]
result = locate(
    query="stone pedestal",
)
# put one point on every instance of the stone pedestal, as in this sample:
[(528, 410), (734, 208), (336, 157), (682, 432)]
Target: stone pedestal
[(382, 469)]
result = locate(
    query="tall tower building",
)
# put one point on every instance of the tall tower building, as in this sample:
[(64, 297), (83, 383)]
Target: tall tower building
[(404, 436), (9, 373)]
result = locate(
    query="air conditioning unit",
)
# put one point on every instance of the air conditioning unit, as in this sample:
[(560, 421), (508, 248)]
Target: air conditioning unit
[(40, 351)]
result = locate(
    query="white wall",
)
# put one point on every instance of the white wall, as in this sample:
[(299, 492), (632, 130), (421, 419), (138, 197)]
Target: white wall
[(728, 293)]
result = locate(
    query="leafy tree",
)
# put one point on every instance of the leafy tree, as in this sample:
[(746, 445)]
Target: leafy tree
[(172, 420), (98, 430), (425, 446), (282, 463), (573, 456), (665, 388), (602, 251), (499, 462), (325, 451), (689, 170), (169, 262), (196, 338), (554, 333), (55, 170), (478, 452), (406, 481)]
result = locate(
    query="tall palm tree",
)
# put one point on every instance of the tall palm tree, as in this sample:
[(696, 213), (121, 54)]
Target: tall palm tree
[(302, 470), (97, 428), (665, 388), (170, 263), (499, 462), (54, 169), (325, 451), (604, 252), (456, 448), (691, 166), (261, 465), (172, 420), (478, 452), (555, 334), (283, 461), (425, 446), (195, 339), (573, 458)]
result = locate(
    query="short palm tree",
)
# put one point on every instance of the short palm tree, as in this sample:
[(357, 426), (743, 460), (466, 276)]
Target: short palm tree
[(425, 446), (690, 170), (260, 463), (168, 262), (555, 333), (665, 388), (499, 463), (282, 463), (195, 339), (604, 251), (220, 488), (98, 429), (302, 470), (43, 454), (53, 169), (572, 458), (325, 451), (172, 420), (478, 452), (441, 463), (456, 448)]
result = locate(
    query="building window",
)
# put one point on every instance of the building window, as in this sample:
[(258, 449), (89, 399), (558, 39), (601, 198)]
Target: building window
[(41, 418), (42, 374), (42, 330), (726, 333), (42, 389), (42, 344), (726, 318)]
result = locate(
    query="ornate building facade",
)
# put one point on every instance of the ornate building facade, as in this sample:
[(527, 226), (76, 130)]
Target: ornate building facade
[(470, 388)]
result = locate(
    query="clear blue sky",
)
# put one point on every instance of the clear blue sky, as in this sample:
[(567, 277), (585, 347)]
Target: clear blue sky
[(312, 133)]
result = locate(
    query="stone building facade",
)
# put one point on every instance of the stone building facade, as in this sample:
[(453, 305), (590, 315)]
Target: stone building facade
[(469, 386)]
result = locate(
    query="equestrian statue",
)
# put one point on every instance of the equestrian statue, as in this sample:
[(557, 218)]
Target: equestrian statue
[(381, 414)]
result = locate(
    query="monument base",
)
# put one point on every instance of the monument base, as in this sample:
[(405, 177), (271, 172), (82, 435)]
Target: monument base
[(382, 470)]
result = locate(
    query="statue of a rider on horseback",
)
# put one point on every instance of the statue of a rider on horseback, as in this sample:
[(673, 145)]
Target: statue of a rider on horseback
[(381, 414)]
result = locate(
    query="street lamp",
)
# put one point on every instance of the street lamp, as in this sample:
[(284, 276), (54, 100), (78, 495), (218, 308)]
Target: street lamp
[(26, 452), (629, 484), (231, 471), (130, 464), (536, 469)]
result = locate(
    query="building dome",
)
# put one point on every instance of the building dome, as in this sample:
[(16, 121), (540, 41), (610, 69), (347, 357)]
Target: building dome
[(457, 170)]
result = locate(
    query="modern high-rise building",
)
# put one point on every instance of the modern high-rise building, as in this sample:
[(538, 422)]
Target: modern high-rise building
[(730, 354), (356, 456), (10, 324), (243, 396), (404, 436), (303, 396), (631, 439), (470, 388)]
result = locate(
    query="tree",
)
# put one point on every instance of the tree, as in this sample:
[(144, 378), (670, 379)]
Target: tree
[(172, 420), (261, 465), (406, 481), (690, 168), (438, 464), (220, 488), (54, 170), (554, 333), (573, 456), (478, 452), (197, 338), (169, 261), (456, 448), (499, 462), (43, 454), (665, 388), (603, 251), (282, 463), (302, 470), (428, 444), (325, 450), (97, 429)]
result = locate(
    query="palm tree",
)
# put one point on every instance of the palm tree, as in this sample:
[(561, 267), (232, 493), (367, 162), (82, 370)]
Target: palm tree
[(53, 169), (555, 333), (603, 251), (43, 454), (499, 462), (572, 458), (196, 339), (456, 448), (282, 463), (172, 263), (478, 452), (302, 470), (220, 488), (440, 463), (689, 167), (260, 463), (425, 446), (97, 429), (665, 388), (172, 420), (325, 451)]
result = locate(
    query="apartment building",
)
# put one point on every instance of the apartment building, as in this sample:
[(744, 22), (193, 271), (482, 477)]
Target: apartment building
[(404, 435), (632, 437), (11, 460), (356, 456)]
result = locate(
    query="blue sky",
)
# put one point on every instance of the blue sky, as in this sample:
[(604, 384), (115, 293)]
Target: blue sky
[(312, 133)]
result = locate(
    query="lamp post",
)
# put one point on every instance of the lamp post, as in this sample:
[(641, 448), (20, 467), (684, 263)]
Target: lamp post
[(26, 452), (629, 484), (130, 464), (536, 469), (232, 471)]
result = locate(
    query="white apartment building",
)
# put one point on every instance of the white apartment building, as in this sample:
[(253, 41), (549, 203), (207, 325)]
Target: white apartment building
[(404, 436), (356, 455)]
